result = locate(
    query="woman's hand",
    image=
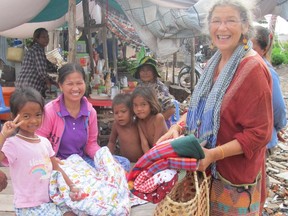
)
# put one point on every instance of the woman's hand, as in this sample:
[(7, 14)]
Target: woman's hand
[(9, 127), (173, 132), (281, 136), (77, 194), (209, 158)]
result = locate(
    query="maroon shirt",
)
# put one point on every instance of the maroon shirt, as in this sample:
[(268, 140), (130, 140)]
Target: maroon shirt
[(246, 115)]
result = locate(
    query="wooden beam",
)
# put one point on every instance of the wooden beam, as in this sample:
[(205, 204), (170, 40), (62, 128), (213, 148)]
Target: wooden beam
[(174, 65), (93, 28), (72, 31), (87, 32), (104, 40), (114, 50)]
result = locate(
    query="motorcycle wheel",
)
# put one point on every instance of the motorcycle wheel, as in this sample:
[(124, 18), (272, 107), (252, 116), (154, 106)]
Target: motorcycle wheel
[(184, 77)]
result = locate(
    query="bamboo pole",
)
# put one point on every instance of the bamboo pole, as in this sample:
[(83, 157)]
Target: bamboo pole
[(272, 27), (104, 38), (72, 30), (87, 32), (114, 50)]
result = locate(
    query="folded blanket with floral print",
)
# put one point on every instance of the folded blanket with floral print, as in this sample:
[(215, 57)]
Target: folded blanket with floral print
[(105, 187)]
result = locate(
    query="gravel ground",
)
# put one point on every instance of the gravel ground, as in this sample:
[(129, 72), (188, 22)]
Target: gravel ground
[(283, 76), (276, 203)]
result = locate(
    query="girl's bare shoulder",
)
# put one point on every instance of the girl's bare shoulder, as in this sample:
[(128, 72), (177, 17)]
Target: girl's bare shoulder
[(159, 117)]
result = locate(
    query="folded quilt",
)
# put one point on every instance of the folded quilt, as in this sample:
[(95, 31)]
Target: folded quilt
[(154, 174), (105, 187)]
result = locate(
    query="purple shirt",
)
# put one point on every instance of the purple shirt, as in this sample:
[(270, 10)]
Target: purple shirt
[(75, 133)]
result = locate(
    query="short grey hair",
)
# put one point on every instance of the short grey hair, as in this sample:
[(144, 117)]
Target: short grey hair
[(245, 8)]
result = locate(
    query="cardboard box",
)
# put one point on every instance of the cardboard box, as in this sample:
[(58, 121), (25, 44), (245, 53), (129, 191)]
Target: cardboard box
[(84, 60), (15, 54)]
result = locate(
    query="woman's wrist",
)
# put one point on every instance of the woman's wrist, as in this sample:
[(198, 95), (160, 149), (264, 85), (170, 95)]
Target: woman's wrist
[(180, 126), (72, 186), (220, 153)]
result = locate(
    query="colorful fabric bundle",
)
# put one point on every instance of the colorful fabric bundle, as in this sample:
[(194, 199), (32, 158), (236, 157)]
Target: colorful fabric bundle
[(105, 187), (154, 175)]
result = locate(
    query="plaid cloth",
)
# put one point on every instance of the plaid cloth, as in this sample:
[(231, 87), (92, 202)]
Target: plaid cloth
[(33, 72), (190, 164), (160, 157)]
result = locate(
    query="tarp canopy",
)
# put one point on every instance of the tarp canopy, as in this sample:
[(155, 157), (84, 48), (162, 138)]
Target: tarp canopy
[(159, 23), (15, 12), (53, 11), (50, 16)]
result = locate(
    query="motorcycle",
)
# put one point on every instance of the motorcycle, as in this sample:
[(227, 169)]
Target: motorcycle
[(184, 78)]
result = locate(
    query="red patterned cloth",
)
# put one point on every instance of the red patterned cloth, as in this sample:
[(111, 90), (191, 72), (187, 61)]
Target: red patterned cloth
[(145, 183), (143, 180)]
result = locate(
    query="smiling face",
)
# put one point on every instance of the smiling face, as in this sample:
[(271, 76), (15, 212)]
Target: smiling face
[(146, 73), (226, 28), (73, 87), (31, 115), (122, 114), (141, 107)]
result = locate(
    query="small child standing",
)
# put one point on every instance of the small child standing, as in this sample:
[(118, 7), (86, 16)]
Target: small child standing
[(124, 129), (151, 123), (30, 157)]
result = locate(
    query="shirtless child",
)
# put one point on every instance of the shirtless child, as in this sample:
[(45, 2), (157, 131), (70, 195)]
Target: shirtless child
[(150, 121), (124, 129)]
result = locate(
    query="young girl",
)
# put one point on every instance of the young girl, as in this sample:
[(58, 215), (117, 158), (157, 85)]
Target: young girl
[(150, 121), (124, 129), (30, 157)]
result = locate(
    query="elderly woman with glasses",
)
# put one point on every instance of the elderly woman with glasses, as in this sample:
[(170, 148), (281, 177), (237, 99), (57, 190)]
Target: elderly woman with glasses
[(231, 110)]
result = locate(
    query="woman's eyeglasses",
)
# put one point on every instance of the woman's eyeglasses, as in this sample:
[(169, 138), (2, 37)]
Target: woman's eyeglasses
[(228, 23)]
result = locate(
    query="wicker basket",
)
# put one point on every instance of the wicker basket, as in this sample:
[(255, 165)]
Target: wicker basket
[(55, 57), (188, 197)]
